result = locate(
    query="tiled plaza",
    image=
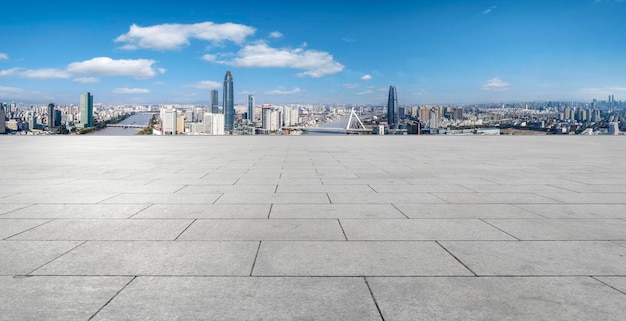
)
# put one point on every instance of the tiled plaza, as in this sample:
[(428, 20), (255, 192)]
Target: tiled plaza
[(313, 228)]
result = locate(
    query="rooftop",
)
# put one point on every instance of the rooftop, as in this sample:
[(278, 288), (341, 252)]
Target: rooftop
[(313, 228)]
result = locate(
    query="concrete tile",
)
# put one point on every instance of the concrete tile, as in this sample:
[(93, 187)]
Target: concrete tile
[(132, 188), (21, 257), (464, 211), (383, 198), (488, 298), (419, 188), (604, 188), (587, 198), (7, 208), (164, 198), (334, 211), (56, 198), (288, 188), (156, 258), (198, 181), (577, 210), (220, 189), (360, 181), (420, 229), (263, 229), (100, 211), (10, 227), (550, 258), (273, 198), (290, 181), (56, 298), (204, 211), (494, 198), (355, 259), (109, 229), (521, 188), (225, 298), (563, 229), (617, 282)]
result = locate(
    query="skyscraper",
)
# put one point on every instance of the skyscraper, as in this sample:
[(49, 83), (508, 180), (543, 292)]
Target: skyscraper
[(86, 110), (215, 108), (50, 116), (392, 108), (251, 107), (2, 120), (229, 106)]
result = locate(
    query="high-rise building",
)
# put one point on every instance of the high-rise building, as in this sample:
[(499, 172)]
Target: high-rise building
[(215, 105), (169, 121), (2, 120), (50, 120), (392, 108), (229, 105), (86, 110), (251, 107)]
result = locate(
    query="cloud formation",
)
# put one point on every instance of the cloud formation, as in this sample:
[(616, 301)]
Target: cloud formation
[(46, 73), (260, 55), (495, 84), (86, 80), (284, 92), (488, 10), (6, 91), (205, 84), (105, 66), (366, 92), (3, 55), (174, 36), (130, 91), (276, 34), (366, 77), (351, 86), (602, 91)]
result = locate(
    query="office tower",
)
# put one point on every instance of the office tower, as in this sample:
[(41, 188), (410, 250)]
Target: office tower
[(266, 117), (392, 108), (50, 120), (215, 105), (86, 110), (251, 107), (213, 124), (169, 124), (229, 105), (57, 118), (2, 120)]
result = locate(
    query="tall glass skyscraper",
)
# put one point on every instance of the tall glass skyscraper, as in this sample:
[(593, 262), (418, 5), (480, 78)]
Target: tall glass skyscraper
[(229, 105), (392, 108), (251, 107), (215, 108), (86, 110)]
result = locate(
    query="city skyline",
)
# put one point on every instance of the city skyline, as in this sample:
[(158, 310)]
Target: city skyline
[(323, 52)]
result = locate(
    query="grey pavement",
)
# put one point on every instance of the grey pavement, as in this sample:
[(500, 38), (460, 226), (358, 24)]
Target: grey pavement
[(313, 228)]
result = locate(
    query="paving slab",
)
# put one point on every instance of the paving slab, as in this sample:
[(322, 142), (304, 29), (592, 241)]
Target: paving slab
[(468, 211), (588, 198), (489, 298), (273, 198), (419, 188), (225, 298), (109, 229), (335, 211), (7, 208), (95, 211), (383, 198), (192, 181), (289, 188), (617, 282), (220, 189), (577, 210), (563, 229), (495, 198), (56, 298), (421, 229), (10, 227), (164, 198), (363, 181), (521, 188), (535, 258), (156, 258), (204, 211), (22, 257), (354, 258), (56, 198), (289, 181)]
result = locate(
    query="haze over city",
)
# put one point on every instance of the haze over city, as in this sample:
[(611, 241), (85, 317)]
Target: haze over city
[(313, 52)]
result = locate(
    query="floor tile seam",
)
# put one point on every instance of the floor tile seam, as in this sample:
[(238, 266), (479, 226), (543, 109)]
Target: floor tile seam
[(184, 230), (456, 258), (217, 199), (517, 205), (256, 255), (369, 289), (301, 276), (113, 297), (180, 189), (141, 210), (17, 209), (54, 259), (501, 230), (606, 284), (106, 199), (29, 229), (342, 230)]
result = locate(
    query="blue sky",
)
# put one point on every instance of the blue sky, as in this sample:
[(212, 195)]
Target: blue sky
[(313, 52)]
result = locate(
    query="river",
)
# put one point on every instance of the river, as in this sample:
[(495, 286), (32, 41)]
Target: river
[(137, 119)]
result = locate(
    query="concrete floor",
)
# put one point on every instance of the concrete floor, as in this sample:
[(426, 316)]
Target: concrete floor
[(313, 228)]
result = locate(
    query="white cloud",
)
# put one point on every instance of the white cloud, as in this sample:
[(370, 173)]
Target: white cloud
[(367, 92), (366, 77), (495, 84), (276, 34), (7, 91), (488, 10), (315, 63), (205, 84), (131, 91), (174, 36), (284, 92), (86, 80), (351, 86), (159, 83), (105, 66), (3, 55), (602, 92), (45, 73)]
